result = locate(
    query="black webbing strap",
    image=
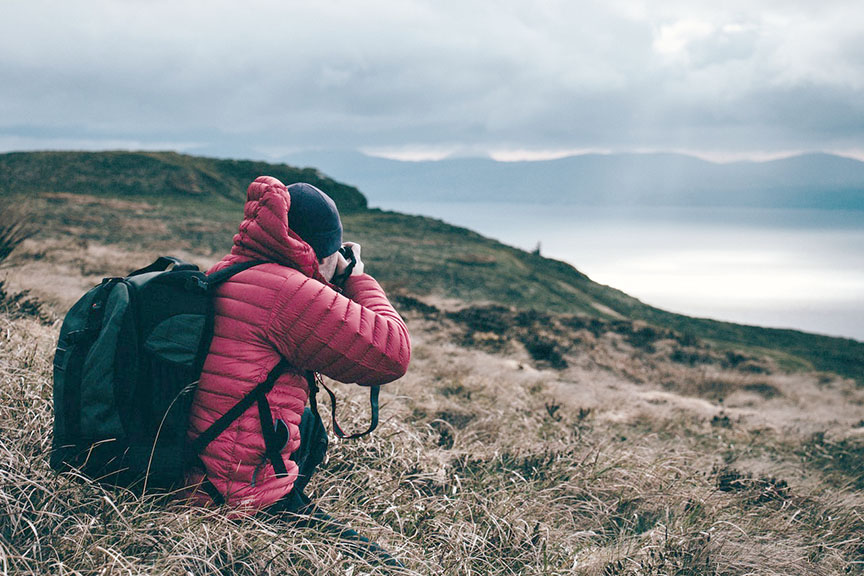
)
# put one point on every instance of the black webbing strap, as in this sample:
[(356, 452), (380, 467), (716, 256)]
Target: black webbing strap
[(215, 429), (273, 441), (97, 308), (256, 395), (212, 491), (225, 273), (211, 282), (313, 404)]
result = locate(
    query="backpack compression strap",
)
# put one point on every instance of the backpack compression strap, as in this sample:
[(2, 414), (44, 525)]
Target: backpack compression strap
[(313, 381)]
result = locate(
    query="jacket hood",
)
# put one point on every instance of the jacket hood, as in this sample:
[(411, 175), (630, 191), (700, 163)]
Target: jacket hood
[(265, 233)]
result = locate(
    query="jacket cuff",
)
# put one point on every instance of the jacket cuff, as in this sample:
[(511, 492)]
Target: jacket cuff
[(356, 283)]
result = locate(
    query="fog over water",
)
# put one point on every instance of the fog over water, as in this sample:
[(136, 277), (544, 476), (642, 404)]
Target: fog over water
[(801, 269)]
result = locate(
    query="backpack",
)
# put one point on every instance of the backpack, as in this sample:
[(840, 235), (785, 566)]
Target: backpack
[(127, 362), (129, 355)]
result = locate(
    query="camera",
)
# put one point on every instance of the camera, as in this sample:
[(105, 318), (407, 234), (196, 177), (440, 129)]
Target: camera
[(348, 254)]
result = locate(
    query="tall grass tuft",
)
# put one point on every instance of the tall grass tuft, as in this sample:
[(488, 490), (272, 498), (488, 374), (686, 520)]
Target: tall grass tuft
[(16, 226)]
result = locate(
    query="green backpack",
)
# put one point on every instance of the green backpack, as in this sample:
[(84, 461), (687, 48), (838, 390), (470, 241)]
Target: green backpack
[(128, 358)]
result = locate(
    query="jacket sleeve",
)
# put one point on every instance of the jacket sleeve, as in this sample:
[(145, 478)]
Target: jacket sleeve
[(356, 336)]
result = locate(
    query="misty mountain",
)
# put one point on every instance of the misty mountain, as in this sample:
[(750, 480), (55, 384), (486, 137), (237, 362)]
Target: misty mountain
[(806, 181)]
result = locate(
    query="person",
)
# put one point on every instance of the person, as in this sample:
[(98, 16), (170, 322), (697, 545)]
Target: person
[(286, 312)]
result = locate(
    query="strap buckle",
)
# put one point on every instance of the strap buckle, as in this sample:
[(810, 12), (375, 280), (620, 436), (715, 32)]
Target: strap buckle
[(196, 284)]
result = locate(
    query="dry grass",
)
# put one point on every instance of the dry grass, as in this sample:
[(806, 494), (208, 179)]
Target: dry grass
[(488, 462), (16, 226)]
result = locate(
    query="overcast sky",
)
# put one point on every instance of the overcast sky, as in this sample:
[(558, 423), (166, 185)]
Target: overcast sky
[(423, 79)]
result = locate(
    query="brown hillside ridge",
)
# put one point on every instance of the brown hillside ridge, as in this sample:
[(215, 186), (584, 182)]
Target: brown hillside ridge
[(519, 442)]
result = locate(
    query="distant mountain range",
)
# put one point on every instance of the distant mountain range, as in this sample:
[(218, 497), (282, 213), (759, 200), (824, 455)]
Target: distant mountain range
[(806, 181)]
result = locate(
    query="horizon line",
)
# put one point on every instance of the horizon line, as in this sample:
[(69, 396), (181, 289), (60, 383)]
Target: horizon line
[(515, 156), (418, 156)]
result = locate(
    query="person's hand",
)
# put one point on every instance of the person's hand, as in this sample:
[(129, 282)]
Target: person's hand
[(342, 265)]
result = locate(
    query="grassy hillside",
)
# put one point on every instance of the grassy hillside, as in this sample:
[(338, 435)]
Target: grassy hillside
[(154, 175), (165, 202)]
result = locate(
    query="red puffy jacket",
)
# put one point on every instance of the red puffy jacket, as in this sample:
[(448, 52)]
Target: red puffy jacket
[(282, 309)]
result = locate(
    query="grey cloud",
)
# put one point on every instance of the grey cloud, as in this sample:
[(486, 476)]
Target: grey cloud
[(389, 74), (721, 47)]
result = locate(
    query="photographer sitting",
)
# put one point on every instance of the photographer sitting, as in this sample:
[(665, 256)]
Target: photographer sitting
[(305, 309)]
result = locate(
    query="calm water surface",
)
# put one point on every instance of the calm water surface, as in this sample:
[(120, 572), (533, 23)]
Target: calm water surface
[(801, 269)]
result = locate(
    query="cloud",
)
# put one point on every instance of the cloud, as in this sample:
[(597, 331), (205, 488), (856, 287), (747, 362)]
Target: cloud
[(545, 76), (673, 39)]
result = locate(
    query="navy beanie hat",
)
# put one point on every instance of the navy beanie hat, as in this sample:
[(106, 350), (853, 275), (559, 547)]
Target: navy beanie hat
[(314, 217)]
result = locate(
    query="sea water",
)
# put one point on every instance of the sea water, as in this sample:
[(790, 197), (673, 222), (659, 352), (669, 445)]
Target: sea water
[(801, 269)]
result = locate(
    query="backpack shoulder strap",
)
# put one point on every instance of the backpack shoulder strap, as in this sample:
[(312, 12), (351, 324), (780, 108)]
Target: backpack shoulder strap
[(220, 425), (224, 274), (256, 395)]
